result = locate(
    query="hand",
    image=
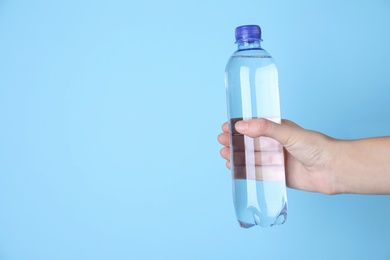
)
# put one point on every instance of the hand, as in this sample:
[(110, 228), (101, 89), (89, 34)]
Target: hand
[(309, 155)]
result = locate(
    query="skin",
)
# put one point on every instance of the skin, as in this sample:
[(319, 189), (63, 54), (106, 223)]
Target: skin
[(318, 163)]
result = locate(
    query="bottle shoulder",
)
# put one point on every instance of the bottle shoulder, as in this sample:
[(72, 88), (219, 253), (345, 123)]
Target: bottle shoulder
[(250, 58), (252, 52)]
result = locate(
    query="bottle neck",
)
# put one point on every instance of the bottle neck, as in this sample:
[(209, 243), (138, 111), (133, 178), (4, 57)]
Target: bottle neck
[(249, 45)]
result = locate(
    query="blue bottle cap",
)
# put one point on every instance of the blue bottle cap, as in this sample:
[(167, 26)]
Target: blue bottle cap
[(248, 32)]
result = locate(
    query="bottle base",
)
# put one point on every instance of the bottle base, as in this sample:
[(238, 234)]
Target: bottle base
[(266, 221), (259, 203)]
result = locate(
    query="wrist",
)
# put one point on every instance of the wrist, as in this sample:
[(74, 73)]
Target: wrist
[(337, 167)]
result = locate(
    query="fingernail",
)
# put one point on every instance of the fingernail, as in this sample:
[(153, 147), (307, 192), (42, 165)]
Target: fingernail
[(241, 125)]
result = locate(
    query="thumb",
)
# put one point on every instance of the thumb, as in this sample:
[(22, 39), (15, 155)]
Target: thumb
[(284, 133)]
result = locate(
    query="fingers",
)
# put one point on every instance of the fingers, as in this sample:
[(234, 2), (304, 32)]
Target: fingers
[(283, 133), (258, 158), (225, 127), (225, 153), (267, 146), (224, 139), (271, 158)]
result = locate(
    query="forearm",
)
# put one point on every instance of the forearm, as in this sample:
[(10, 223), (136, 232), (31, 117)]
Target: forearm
[(363, 166)]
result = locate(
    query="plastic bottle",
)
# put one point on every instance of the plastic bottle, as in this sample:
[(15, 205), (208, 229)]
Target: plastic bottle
[(257, 164)]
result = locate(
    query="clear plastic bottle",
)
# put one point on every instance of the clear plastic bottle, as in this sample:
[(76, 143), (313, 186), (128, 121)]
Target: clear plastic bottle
[(257, 164)]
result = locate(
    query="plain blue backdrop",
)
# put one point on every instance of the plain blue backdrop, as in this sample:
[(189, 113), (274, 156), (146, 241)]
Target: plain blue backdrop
[(110, 110)]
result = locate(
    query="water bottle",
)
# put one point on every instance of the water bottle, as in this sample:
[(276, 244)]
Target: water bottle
[(257, 164)]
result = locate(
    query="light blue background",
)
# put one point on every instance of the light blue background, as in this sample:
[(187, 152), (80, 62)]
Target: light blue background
[(109, 113)]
